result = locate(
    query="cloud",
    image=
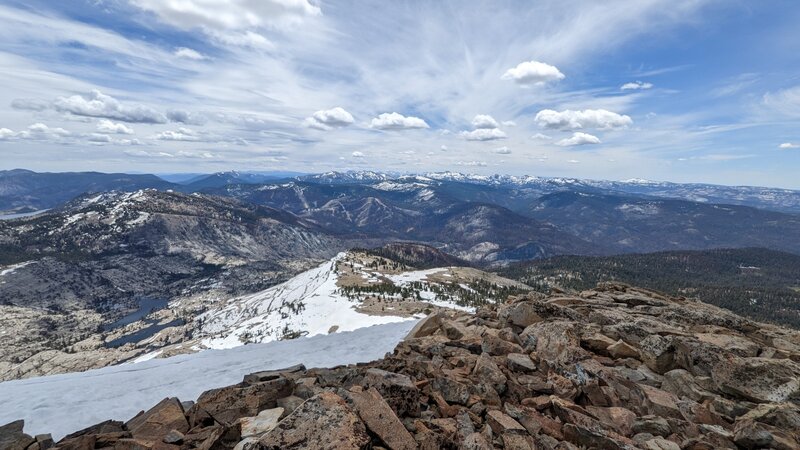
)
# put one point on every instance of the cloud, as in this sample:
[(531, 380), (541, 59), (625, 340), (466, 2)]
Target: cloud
[(483, 134), (181, 134), (357, 154), (533, 72), (329, 118), (788, 145), (578, 138), (588, 118), (636, 85), (395, 121), (502, 151), (29, 104), (471, 163), (540, 136), (509, 123), (232, 22), (573, 161), (42, 130), (188, 53), (785, 102), (97, 104), (5, 133), (99, 138), (107, 126), (482, 121), (443, 148), (182, 116)]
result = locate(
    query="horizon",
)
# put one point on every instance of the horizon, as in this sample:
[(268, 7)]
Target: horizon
[(403, 174), (693, 91)]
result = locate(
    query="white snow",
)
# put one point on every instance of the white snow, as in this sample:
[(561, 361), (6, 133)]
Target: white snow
[(62, 404), (261, 317), (11, 269), (416, 275)]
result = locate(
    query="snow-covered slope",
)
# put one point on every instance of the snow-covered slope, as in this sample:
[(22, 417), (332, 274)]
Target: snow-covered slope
[(61, 404), (308, 303)]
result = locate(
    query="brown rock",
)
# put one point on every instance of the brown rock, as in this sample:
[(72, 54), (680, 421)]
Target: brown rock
[(556, 341), (660, 403), (154, 424), (228, 404), (495, 346), (452, 391), (658, 353), (620, 349), (487, 371), (264, 422), (381, 420), (739, 346), (426, 326), (758, 379), (323, 422), (269, 375), (520, 362), (619, 419), (398, 391), (502, 423), (12, 437)]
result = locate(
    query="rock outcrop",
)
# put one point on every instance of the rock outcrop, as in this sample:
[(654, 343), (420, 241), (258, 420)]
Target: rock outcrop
[(612, 368)]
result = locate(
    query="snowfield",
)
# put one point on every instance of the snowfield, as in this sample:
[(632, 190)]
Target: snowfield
[(307, 303), (62, 404)]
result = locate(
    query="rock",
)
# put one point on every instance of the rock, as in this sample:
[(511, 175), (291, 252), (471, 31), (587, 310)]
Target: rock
[(487, 371), (398, 391), (620, 349), (154, 424), (737, 345), (683, 385), (759, 380), (656, 426), (520, 362), (325, 421), (660, 403), (12, 437), (269, 375), (289, 404), (619, 419), (476, 441), (452, 391), (660, 444), (264, 422), (658, 353), (597, 343), (495, 346), (523, 314), (173, 437), (45, 441), (426, 326), (227, 405), (502, 423), (556, 341), (381, 420)]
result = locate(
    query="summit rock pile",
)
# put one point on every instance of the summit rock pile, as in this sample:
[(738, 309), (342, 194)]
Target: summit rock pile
[(615, 367)]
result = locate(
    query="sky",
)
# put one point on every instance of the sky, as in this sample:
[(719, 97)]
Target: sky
[(673, 90)]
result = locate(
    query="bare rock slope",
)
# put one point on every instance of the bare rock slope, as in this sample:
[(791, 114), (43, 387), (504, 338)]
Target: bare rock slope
[(615, 367)]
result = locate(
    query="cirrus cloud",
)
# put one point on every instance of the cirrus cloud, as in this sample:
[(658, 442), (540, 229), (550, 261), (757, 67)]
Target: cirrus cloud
[(587, 118), (788, 145), (396, 121), (533, 72), (579, 138)]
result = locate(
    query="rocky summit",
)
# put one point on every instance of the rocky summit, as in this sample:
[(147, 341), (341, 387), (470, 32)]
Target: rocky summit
[(615, 367)]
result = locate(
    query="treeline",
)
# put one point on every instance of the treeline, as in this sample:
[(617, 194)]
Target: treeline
[(757, 283)]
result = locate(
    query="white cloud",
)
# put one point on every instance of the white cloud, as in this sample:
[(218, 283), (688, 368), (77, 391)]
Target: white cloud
[(471, 163), (509, 123), (483, 134), (182, 116), (788, 145), (42, 131), (329, 118), (533, 72), (502, 151), (484, 121), (231, 22), (573, 161), (442, 148), (188, 53), (181, 134), (636, 85), (785, 102), (99, 138), (5, 133), (578, 138), (588, 118), (358, 154), (395, 121), (97, 104), (108, 126), (541, 137)]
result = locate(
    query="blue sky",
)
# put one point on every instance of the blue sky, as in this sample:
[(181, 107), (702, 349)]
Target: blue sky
[(679, 90)]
